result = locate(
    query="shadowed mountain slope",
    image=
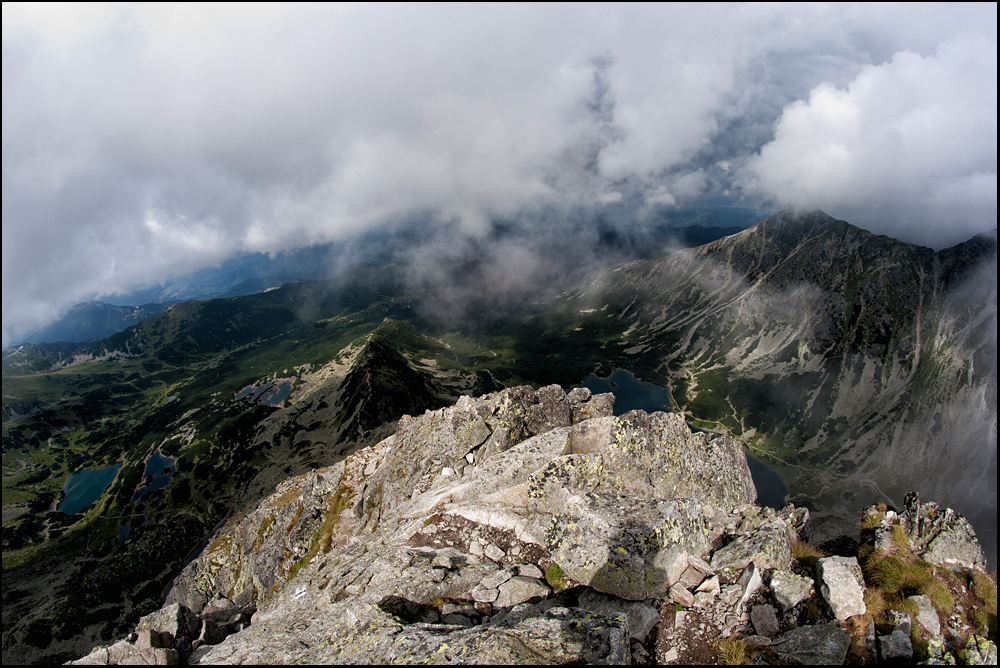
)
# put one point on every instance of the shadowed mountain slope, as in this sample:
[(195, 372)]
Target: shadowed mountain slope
[(861, 362)]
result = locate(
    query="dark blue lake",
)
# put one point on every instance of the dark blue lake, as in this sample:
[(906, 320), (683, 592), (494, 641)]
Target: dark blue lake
[(85, 487), (161, 468), (630, 393), (278, 393), (771, 489), (634, 394), (269, 394)]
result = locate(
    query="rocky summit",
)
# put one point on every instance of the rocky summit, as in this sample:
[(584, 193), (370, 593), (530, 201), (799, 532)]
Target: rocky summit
[(534, 526)]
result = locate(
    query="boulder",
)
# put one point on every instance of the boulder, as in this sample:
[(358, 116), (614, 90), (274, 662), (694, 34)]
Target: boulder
[(821, 644), (126, 653), (530, 571), (484, 595), (519, 590), (790, 589), (765, 620), (937, 651), (768, 546), (641, 616), (941, 537), (494, 581), (691, 578), (174, 620), (955, 546), (680, 595), (895, 647), (842, 586), (677, 566), (750, 581), (798, 522), (700, 565), (927, 616), (979, 651)]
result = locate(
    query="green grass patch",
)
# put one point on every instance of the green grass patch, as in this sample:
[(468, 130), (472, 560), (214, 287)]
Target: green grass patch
[(556, 577), (322, 539)]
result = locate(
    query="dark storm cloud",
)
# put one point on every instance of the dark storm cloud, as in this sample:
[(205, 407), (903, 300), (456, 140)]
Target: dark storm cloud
[(145, 141)]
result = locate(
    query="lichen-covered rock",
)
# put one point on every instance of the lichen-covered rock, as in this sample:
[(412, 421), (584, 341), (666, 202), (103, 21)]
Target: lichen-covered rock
[(768, 546), (842, 586), (259, 548), (942, 537), (790, 589), (979, 651), (525, 636), (955, 545)]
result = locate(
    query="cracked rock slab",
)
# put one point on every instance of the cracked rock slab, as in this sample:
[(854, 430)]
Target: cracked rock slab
[(842, 586)]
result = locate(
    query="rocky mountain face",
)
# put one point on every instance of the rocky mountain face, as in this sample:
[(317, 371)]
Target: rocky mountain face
[(854, 363), (531, 527)]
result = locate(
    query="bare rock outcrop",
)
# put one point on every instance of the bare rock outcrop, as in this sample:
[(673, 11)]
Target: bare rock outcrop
[(525, 526), (462, 506)]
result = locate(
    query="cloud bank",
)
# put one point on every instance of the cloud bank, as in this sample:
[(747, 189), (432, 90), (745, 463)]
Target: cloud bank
[(909, 143), (146, 141)]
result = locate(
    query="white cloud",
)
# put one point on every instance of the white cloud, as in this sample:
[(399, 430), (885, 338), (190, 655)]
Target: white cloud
[(269, 127), (908, 148)]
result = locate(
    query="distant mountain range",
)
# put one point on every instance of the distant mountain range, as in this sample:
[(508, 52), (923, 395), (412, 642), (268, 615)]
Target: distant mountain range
[(857, 366), (251, 273)]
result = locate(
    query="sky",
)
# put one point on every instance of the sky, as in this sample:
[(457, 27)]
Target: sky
[(147, 141)]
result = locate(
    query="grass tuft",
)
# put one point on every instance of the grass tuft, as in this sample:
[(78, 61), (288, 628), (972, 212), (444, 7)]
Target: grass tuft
[(875, 605), (732, 651), (984, 590), (806, 554), (985, 587)]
